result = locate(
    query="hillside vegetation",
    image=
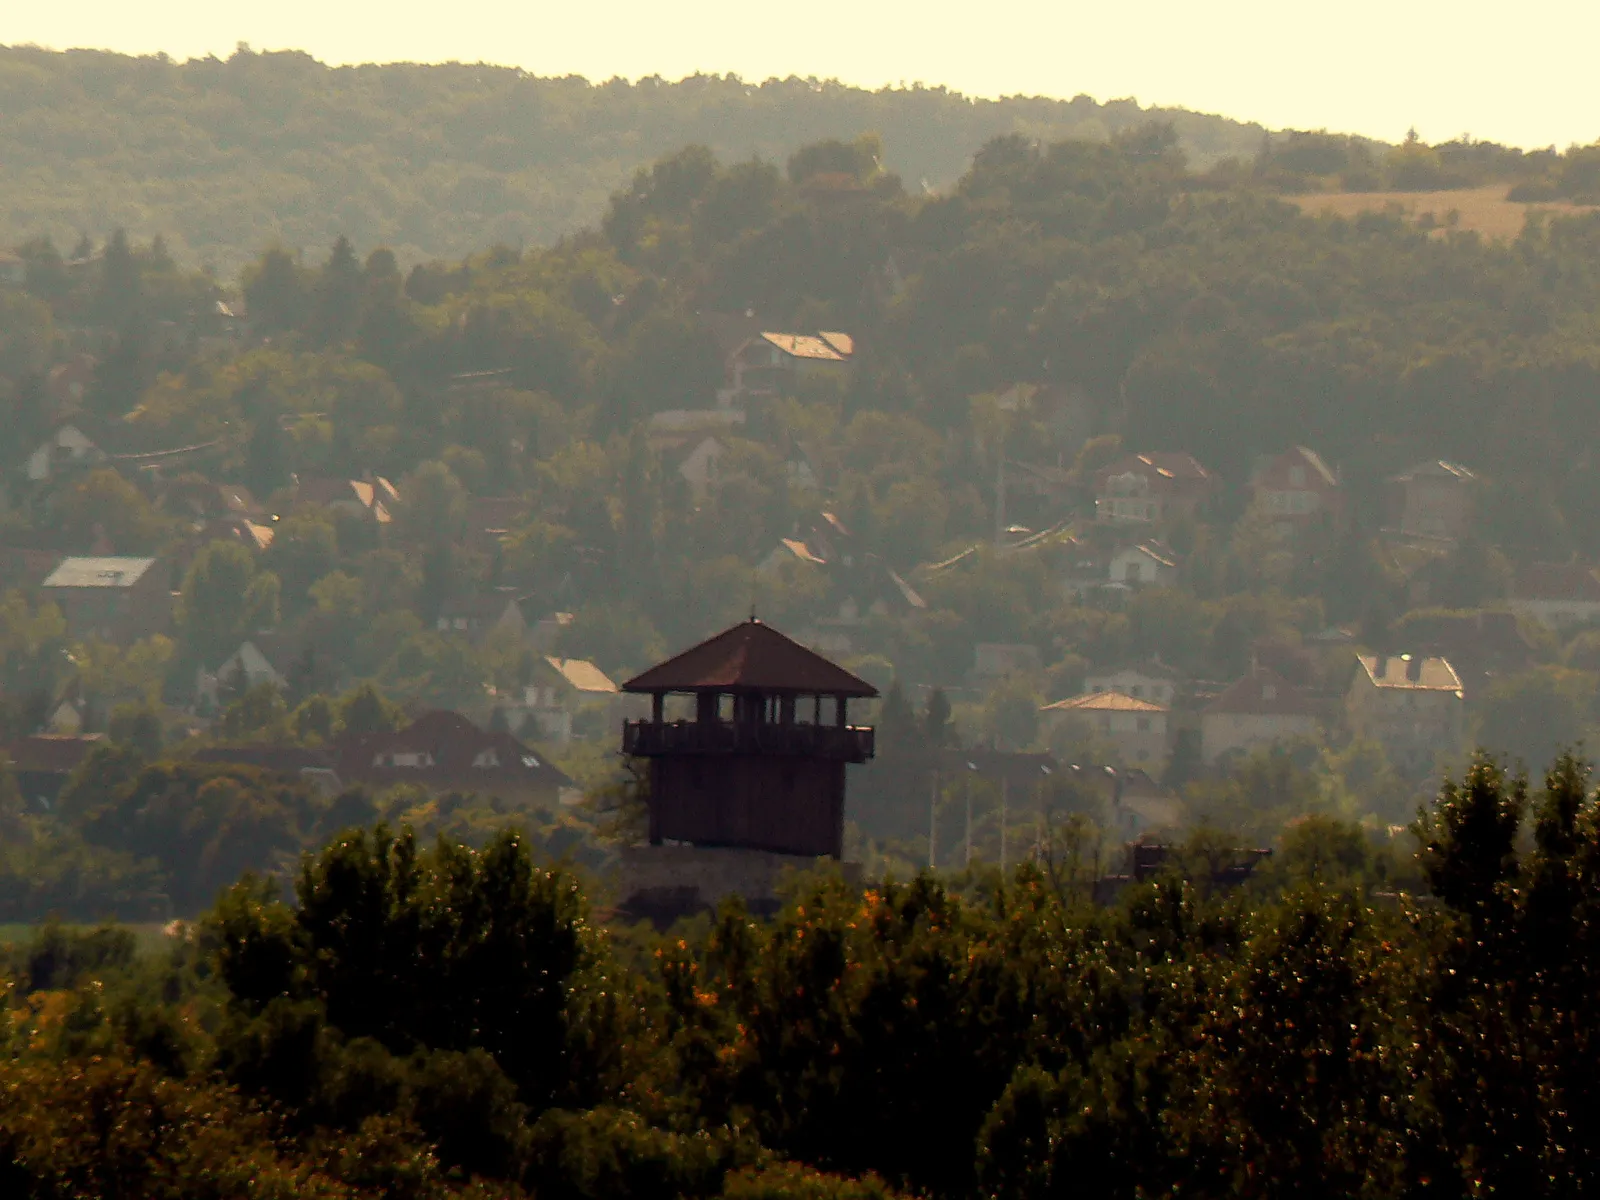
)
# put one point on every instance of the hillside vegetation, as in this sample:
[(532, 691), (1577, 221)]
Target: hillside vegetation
[(223, 156)]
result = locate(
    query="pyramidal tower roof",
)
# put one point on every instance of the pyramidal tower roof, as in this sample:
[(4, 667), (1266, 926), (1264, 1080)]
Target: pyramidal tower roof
[(750, 657)]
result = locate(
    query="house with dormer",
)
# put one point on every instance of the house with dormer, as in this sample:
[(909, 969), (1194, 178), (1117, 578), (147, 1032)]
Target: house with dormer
[(444, 752), (1413, 705), (1151, 488)]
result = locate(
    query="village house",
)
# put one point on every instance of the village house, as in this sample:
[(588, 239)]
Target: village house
[(1558, 595), (200, 498), (1296, 487), (477, 616), (44, 762), (1150, 488), (1146, 563), (1136, 728), (269, 657), (66, 447), (700, 464), (372, 499), (1411, 704), (1260, 709), (444, 752), (1432, 500), (257, 661), (768, 363), (118, 599), (561, 694), (866, 589), (1153, 681)]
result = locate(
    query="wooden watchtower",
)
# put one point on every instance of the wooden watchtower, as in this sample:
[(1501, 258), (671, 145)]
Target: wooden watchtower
[(761, 765)]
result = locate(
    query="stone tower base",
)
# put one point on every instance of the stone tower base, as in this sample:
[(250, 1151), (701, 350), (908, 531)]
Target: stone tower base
[(663, 883)]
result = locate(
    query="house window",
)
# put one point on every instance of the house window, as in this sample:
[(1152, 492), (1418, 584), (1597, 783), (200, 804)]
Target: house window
[(1269, 691), (486, 758), (1144, 724)]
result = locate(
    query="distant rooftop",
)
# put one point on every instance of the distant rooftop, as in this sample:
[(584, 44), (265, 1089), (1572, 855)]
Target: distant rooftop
[(1428, 674), (1105, 702), (98, 572)]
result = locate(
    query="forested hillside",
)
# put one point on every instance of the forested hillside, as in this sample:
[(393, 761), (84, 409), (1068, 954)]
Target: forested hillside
[(223, 157)]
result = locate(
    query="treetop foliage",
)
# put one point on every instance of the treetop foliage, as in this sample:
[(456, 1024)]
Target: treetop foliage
[(436, 160), (428, 1019)]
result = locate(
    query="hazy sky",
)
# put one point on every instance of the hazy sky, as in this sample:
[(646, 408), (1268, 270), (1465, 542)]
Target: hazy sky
[(1522, 74)]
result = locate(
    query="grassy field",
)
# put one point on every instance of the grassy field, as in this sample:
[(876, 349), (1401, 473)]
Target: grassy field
[(1485, 210)]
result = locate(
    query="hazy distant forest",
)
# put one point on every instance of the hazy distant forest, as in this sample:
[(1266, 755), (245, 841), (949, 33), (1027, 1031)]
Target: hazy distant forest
[(436, 160), (503, 301)]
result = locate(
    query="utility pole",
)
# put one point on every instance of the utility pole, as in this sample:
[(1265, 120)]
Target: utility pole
[(1002, 823), (933, 815), (970, 769), (1000, 497)]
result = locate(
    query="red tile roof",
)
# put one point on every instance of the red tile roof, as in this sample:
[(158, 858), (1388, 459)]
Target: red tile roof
[(1264, 692), (750, 657), (445, 750)]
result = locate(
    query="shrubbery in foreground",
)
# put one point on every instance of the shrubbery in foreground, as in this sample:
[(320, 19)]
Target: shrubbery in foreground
[(439, 1021)]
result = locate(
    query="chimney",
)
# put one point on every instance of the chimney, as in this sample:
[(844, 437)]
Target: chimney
[(1414, 667), (1380, 666)]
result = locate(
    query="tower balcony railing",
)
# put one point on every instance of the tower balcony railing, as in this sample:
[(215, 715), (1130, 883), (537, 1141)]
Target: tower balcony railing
[(851, 743)]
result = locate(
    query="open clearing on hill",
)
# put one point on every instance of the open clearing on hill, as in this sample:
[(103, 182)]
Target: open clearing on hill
[(1485, 210)]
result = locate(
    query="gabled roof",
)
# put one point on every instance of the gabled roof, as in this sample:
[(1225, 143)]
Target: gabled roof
[(1105, 702), (801, 551), (754, 657), (819, 347), (1263, 693), (108, 572), (458, 754), (583, 674), (1436, 469), (1171, 468), (1301, 456), (1156, 551)]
